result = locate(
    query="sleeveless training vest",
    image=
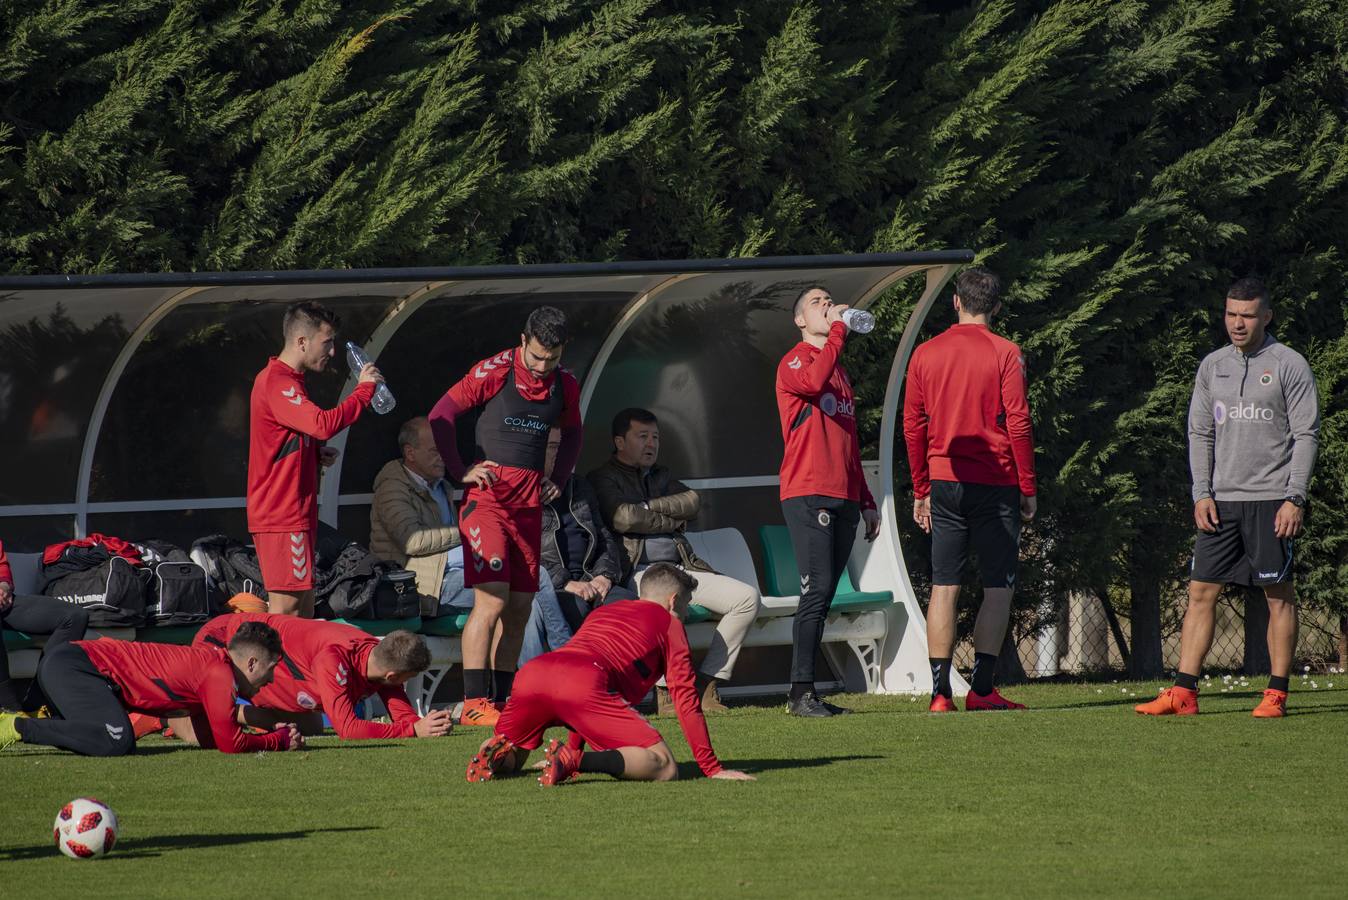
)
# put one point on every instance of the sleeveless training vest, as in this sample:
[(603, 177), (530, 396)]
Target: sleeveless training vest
[(513, 431)]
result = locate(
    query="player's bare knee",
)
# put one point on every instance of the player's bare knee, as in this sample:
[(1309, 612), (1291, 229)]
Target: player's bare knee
[(663, 764)]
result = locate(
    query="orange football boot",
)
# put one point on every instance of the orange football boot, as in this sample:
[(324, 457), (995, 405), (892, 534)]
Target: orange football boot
[(942, 703), (488, 762), (992, 700), (1273, 706), (560, 764), (480, 712), (1172, 701)]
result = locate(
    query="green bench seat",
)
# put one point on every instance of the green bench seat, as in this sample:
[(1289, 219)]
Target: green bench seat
[(168, 634), (783, 576), (445, 626), (381, 627), (17, 640), (696, 614)]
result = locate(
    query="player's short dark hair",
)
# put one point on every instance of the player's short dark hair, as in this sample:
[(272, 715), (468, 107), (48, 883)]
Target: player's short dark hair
[(547, 325), (1247, 289), (979, 290), (410, 430), (305, 317), (625, 417), (259, 637), (800, 298), (663, 579), (402, 651)]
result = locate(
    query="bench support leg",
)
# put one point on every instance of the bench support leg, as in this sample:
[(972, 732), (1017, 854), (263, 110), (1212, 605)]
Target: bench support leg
[(421, 690), (866, 652)]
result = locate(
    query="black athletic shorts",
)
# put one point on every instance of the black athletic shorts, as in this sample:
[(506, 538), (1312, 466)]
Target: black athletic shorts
[(986, 516), (1243, 549)]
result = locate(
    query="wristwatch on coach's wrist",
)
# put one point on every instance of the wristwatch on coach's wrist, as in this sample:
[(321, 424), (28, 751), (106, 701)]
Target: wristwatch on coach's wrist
[(1296, 500)]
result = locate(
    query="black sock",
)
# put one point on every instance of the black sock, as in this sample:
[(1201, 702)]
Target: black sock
[(609, 762), (940, 676), (476, 683), (1185, 680), (801, 688), (501, 685), (985, 670), (1277, 684)]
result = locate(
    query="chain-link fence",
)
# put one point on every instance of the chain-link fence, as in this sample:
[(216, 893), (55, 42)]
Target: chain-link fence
[(1089, 636)]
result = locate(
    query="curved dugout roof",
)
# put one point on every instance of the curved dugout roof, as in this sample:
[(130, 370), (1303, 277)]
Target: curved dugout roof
[(124, 398)]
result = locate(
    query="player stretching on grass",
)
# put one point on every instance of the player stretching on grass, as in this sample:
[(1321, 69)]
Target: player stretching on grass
[(589, 686), (967, 425), (1254, 424), (286, 431), (93, 684), (522, 394), (328, 668)]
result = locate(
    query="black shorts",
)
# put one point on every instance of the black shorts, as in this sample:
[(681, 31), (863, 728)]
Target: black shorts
[(986, 515), (1244, 549)]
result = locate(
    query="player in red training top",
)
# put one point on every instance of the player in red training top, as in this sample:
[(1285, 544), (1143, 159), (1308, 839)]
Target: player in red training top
[(93, 684), (285, 447), (823, 490), (522, 394), (590, 684), (328, 668), (967, 425)]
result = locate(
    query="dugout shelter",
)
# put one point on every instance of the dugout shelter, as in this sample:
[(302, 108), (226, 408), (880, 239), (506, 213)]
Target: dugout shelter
[(124, 398)]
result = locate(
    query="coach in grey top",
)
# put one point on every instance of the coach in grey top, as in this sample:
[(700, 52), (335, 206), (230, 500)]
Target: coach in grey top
[(1254, 423)]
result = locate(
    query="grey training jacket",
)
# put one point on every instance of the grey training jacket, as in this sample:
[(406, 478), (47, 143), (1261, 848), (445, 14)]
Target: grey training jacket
[(1254, 424)]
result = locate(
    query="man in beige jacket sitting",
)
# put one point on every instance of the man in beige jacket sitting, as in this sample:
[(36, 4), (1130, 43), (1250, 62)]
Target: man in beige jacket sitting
[(413, 521)]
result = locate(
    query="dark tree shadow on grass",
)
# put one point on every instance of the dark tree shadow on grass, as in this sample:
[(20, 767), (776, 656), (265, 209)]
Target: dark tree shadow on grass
[(754, 766), (1292, 710), (142, 848)]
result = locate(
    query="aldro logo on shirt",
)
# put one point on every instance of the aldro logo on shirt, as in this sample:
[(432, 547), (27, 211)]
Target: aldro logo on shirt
[(1240, 412), (832, 406)]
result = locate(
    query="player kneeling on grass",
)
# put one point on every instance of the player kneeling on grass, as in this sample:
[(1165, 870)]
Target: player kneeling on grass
[(328, 668), (93, 684), (589, 686)]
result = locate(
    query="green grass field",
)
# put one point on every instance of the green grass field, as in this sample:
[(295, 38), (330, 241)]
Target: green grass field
[(1077, 796)]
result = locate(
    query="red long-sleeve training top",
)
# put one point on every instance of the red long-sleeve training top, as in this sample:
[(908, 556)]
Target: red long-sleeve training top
[(285, 430), (637, 642), (164, 678), (322, 669), (822, 455), (965, 416)]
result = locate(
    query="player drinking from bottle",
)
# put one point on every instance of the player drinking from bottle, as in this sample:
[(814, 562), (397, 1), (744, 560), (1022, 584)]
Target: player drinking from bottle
[(286, 431), (823, 491)]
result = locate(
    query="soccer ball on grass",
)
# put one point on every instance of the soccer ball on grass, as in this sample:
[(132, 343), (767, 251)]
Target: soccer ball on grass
[(85, 828)]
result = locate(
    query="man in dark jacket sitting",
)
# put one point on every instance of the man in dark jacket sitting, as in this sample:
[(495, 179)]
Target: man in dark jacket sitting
[(651, 510), (581, 563)]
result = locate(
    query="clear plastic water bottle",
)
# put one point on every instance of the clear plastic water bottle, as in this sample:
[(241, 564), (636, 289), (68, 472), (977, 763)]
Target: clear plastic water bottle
[(858, 320), (383, 401)]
